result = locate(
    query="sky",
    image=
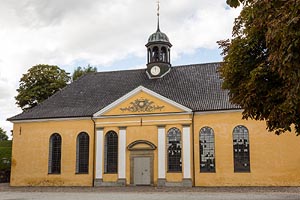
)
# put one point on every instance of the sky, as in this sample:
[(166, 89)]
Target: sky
[(108, 34)]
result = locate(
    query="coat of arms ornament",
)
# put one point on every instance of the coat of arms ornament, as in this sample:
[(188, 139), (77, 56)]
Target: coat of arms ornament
[(142, 105)]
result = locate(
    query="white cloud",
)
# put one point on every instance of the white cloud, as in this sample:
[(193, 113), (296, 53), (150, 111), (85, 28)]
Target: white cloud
[(98, 32)]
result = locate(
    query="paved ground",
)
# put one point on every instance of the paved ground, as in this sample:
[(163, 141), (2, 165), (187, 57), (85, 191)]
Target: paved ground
[(147, 193)]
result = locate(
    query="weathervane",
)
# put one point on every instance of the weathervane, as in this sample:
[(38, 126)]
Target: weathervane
[(158, 8), (158, 15)]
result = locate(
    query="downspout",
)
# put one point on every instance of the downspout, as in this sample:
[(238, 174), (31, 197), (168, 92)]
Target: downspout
[(193, 141), (94, 154)]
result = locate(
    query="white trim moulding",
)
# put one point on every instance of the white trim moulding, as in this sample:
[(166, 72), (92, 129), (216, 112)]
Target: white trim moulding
[(217, 111), (50, 119)]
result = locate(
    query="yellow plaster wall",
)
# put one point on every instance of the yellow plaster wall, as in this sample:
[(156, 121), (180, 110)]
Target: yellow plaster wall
[(157, 102), (141, 146), (143, 128), (110, 177), (274, 160), (133, 133), (31, 151), (148, 133), (144, 120)]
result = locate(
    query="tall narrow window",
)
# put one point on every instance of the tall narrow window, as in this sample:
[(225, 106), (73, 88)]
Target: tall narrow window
[(54, 162), (207, 150), (241, 149), (174, 150), (111, 152), (82, 153)]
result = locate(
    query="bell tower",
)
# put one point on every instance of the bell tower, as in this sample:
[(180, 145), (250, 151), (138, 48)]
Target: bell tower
[(158, 53)]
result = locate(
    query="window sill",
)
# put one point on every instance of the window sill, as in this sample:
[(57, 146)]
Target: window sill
[(81, 173), (178, 172), (110, 172), (211, 172), (242, 172)]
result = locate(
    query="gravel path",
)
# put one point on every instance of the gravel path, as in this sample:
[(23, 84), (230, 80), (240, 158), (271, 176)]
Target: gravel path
[(147, 193), (145, 196)]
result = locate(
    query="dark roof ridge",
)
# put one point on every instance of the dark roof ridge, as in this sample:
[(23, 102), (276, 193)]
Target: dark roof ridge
[(197, 64), (119, 70), (127, 70)]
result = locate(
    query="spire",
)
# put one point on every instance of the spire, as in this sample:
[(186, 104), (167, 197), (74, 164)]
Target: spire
[(158, 30), (158, 36)]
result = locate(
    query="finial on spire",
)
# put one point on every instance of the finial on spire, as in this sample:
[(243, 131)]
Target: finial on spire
[(158, 15)]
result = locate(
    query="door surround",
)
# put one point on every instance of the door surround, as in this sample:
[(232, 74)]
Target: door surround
[(141, 148)]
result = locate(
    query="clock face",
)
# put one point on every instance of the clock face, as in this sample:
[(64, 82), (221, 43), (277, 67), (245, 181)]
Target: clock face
[(155, 70)]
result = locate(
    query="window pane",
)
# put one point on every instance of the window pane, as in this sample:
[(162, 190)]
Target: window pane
[(174, 150), (54, 164), (111, 152), (82, 153), (241, 149), (207, 150)]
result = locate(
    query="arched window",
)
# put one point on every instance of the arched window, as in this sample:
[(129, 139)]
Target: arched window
[(163, 54), (54, 162), (241, 149), (111, 152), (207, 150), (174, 150), (82, 153), (155, 54)]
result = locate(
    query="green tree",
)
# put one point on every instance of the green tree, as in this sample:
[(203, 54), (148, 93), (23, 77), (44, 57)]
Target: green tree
[(39, 83), (3, 135), (261, 67), (5, 155), (78, 72)]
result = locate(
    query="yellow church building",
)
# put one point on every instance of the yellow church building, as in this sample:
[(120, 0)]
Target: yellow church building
[(161, 126)]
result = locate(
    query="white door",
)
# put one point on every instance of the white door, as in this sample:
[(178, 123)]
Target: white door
[(142, 171)]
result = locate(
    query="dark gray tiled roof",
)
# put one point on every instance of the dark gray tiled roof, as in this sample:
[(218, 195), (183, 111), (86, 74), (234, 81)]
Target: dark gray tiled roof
[(197, 87)]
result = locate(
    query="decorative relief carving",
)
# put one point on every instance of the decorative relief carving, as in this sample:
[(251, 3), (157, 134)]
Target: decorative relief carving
[(142, 105)]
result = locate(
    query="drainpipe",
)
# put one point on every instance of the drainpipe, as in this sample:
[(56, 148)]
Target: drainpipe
[(94, 154), (193, 140)]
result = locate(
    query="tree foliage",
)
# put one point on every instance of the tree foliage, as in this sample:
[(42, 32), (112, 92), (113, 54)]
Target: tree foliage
[(39, 83), (3, 135), (261, 67), (5, 155), (78, 72)]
